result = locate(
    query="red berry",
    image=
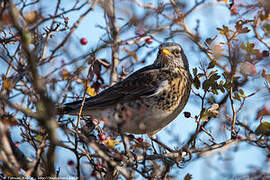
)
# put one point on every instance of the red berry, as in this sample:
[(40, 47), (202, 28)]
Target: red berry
[(70, 163), (259, 56), (248, 68), (63, 62), (140, 32), (16, 144), (266, 108), (99, 166), (140, 140), (187, 114), (234, 11), (149, 40), (83, 41), (102, 136), (253, 68), (93, 173), (265, 53)]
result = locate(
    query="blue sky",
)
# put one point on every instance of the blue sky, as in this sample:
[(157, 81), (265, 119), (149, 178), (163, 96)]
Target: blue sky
[(181, 126)]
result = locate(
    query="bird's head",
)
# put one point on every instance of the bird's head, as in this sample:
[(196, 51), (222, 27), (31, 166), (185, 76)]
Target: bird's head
[(171, 55)]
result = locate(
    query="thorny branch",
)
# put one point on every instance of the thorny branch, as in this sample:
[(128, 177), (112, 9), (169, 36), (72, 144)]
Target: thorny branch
[(29, 93)]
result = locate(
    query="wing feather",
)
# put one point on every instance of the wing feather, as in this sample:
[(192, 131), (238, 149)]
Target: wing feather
[(142, 83)]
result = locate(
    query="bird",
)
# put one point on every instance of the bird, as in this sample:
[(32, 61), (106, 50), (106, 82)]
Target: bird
[(147, 100)]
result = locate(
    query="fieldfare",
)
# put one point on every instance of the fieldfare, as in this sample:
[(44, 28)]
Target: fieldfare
[(147, 100)]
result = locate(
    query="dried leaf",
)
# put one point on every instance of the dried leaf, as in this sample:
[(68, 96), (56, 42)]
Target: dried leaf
[(266, 28), (31, 17), (188, 176), (213, 110), (9, 120), (249, 48), (224, 31), (5, 18), (214, 91), (196, 82), (140, 145), (263, 112), (204, 118), (65, 75), (248, 68), (263, 129), (217, 51), (7, 84), (111, 143), (239, 26), (266, 75), (39, 138), (237, 97), (90, 91), (241, 92), (7, 172)]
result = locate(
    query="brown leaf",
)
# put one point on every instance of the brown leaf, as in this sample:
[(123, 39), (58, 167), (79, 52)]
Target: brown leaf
[(90, 91), (9, 120), (263, 112), (31, 17), (65, 75), (7, 84), (266, 75), (263, 129), (111, 143), (217, 51), (5, 18), (213, 110), (248, 68), (188, 176), (196, 82), (237, 97)]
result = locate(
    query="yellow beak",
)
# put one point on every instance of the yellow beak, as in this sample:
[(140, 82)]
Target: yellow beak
[(166, 51)]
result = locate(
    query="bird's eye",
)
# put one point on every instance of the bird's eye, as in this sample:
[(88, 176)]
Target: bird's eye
[(176, 52)]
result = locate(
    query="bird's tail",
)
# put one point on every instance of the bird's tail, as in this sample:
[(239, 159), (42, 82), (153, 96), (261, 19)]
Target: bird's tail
[(70, 108)]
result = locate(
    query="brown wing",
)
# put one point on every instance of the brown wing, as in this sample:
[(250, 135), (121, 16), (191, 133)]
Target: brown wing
[(143, 82)]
